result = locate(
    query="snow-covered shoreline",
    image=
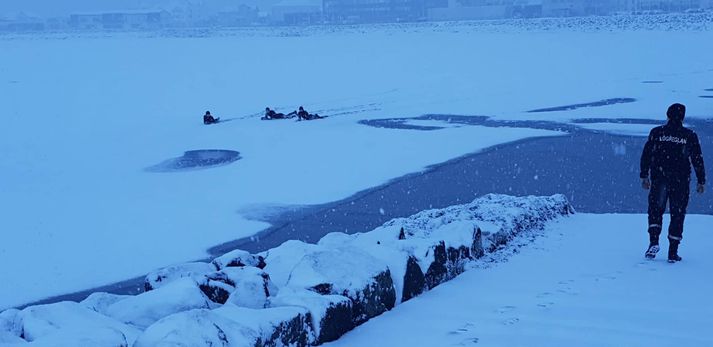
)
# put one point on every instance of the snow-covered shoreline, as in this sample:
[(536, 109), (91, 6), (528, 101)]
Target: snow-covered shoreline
[(295, 294)]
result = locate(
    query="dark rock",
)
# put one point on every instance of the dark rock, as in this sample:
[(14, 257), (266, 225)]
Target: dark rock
[(457, 259), (322, 288), (414, 280), (243, 286), (239, 258), (375, 299), (277, 326), (217, 287), (477, 250), (337, 321), (332, 315), (437, 272), (293, 332), (350, 272)]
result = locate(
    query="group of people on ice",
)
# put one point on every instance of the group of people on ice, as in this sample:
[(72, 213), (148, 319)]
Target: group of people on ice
[(270, 114), (300, 113)]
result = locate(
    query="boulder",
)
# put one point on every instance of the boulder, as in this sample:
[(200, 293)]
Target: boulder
[(71, 324), (278, 326), (242, 286), (331, 315), (145, 309), (100, 301), (10, 327), (197, 328), (385, 245), (239, 258), (349, 272), (282, 259), (161, 277)]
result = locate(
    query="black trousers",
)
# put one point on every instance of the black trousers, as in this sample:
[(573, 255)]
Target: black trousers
[(675, 192)]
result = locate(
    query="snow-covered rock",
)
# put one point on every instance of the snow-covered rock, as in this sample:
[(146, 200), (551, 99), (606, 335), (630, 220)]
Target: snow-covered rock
[(144, 309), (499, 217), (278, 326), (197, 328), (161, 277), (8, 339), (332, 315), (350, 272), (242, 286), (384, 245), (297, 294), (239, 258), (232, 326), (10, 327), (282, 259), (99, 302), (71, 324), (443, 240)]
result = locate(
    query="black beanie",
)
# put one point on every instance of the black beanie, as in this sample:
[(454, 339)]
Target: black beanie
[(676, 112)]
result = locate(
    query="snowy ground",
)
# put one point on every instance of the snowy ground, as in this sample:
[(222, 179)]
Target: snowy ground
[(585, 283), (83, 116)]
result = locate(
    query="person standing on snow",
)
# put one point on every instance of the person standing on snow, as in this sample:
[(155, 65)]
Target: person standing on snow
[(667, 158)]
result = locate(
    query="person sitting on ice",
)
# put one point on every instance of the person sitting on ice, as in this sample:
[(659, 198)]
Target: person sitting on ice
[(304, 115), (209, 119), (271, 114)]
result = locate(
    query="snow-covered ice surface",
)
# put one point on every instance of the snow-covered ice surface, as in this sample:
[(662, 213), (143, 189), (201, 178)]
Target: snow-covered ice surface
[(85, 115), (619, 128), (583, 282)]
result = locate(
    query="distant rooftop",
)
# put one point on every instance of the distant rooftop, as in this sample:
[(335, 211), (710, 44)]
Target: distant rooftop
[(99, 13)]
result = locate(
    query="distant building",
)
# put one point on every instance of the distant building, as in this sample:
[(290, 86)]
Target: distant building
[(472, 9), (296, 12), (118, 20), (370, 11), (22, 23), (563, 8), (244, 15), (665, 5)]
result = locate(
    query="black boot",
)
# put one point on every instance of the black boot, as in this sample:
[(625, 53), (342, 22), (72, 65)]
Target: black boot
[(651, 251), (673, 251), (653, 246)]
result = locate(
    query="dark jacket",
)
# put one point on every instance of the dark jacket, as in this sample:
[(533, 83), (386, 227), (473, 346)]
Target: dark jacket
[(669, 153)]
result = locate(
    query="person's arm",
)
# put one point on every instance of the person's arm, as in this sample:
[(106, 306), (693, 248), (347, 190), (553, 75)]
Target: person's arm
[(646, 159), (697, 160)]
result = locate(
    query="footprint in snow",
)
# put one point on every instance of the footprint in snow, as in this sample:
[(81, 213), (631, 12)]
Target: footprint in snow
[(505, 309), (545, 304), (469, 341), (511, 321), (466, 328)]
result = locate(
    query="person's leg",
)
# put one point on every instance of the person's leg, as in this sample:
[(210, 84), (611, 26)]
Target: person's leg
[(658, 195), (679, 191)]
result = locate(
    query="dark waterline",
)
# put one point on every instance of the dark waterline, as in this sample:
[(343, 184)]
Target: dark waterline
[(600, 103), (196, 159), (598, 173)]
